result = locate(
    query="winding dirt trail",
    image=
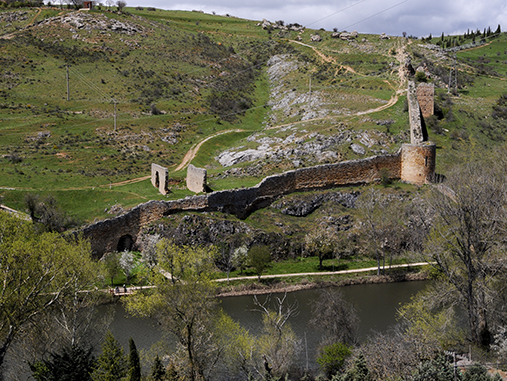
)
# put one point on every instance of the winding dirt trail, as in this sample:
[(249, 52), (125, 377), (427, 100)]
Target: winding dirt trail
[(189, 156)]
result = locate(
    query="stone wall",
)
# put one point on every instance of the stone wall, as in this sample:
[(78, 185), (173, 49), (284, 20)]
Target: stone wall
[(159, 177), (122, 232), (425, 93), (416, 120), (196, 179)]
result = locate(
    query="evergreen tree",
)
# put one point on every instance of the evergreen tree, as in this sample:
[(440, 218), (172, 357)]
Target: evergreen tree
[(438, 369), (73, 363), (111, 364), (359, 372), (498, 30), (157, 370), (134, 363)]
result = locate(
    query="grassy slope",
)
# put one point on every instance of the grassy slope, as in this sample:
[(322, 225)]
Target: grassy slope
[(178, 62)]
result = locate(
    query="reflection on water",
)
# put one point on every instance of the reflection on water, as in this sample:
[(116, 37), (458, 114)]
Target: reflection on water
[(376, 305)]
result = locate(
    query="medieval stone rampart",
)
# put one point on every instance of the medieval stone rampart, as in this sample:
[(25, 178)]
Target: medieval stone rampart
[(425, 93), (122, 232)]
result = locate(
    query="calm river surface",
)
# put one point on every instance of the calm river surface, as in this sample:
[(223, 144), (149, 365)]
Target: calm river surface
[(376, 305)]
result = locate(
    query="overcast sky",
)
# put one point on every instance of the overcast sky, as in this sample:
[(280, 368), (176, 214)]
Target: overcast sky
[(393, 17)]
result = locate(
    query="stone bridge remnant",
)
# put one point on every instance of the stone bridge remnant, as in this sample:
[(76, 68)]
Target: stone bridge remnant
[(159, 178), (413, 163), (196, 179)]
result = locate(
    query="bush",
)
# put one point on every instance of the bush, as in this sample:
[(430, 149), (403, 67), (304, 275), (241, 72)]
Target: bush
[(259, 258), (332, 358)]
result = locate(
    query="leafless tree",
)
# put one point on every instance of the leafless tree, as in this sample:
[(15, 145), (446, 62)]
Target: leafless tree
[(336, 317), (467, 241)]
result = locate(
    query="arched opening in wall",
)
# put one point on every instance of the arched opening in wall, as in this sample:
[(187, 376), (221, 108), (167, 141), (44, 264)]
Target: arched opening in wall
[(157, 180), (125, 243)]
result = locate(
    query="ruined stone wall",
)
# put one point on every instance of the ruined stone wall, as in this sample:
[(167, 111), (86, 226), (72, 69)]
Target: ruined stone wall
[(196, 179), (108, 235), (418, 163), (159, 177), (425, 93), (414, 114)]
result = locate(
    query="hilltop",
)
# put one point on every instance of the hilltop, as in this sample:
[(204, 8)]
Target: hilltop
[(242, 98)]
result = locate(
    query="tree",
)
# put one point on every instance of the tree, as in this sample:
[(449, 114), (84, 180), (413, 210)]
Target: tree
[(259, 258), (240, 258), (332, 358), (73, 363), (438, 369), (111, 262), (134, 364), (157, 370), (322, 242), (184, 304), (335, 317), (36, 271), (358, 372), (45, 212), (121, 4), (111, 364), (278, 345), (466, 243), (379, 216), (127, 263)]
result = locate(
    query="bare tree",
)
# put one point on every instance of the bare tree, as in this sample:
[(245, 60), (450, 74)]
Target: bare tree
[(336, 317), (467, 241)]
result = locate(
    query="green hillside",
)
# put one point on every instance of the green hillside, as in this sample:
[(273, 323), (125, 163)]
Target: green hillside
[(177, 78)]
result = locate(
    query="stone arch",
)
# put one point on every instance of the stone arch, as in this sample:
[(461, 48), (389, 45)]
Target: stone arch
[(125, 243)]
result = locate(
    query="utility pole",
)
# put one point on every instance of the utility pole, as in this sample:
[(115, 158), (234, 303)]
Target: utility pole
[(68, 87)]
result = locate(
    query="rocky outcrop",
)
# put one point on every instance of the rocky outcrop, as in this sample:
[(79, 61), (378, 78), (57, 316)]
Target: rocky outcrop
[(303, 206)]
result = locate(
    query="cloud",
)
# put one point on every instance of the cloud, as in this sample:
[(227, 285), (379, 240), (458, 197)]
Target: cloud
[(366, 16)]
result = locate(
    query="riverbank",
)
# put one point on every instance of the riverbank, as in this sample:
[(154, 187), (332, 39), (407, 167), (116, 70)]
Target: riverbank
[(268, 285)]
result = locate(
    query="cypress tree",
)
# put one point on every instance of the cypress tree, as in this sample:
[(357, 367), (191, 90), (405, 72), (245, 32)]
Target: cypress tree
[(134, 363), (111, 364), (157, 370)]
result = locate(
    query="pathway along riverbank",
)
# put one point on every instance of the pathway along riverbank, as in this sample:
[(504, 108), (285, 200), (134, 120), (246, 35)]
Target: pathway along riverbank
[(274, 283)]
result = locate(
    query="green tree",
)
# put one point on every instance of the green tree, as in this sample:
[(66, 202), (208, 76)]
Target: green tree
[(358, 372), (111, 364), (134, 364), (438, 369), (157, 370), (184, 304), (259, 258), (332, 358), (73, 363), (111, 263), (36, 271)]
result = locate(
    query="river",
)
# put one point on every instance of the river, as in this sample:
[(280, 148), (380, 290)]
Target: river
[(376, 305)]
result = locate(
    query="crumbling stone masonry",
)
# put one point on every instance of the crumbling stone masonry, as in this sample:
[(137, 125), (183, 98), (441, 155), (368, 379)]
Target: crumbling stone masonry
[(418, 133), (196, 179), (425, 93), (159, 177)]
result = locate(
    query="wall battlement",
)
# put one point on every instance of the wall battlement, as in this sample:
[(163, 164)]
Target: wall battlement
[(413, 163)]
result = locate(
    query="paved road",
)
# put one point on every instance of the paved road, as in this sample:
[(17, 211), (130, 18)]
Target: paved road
[(324, 273)]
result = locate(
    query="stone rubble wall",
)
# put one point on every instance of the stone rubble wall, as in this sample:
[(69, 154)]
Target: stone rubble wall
[(196, 179), (425, 93), (105, 235)]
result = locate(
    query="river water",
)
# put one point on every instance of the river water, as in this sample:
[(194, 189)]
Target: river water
[(376, 305)]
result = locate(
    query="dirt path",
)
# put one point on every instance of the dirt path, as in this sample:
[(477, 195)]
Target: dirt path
[(354, 271), (189, 156), (34, 17)]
